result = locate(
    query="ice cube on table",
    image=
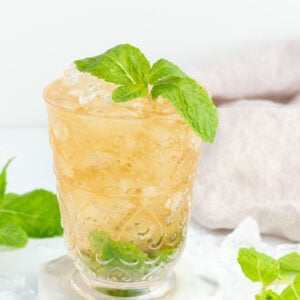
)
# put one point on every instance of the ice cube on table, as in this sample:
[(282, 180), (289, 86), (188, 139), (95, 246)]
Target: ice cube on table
[(15, 287), (19, 267)]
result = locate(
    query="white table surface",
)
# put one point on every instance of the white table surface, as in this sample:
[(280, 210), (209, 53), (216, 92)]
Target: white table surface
[(207, 270)]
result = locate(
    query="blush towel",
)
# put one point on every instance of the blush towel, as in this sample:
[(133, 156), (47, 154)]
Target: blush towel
[(253, 167)]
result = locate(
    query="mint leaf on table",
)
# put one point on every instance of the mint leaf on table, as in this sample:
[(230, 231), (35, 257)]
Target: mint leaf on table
[(268, 295), (34, 214), (290, 263), (3, 181), (12, 235), (292, 292), (127, 66), (258, 266), (8, 198)]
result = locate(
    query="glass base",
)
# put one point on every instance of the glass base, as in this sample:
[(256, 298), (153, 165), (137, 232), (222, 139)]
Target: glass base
[(158, 290)]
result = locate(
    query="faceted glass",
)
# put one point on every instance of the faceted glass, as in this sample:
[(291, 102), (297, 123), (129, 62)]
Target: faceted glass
[(124, 185)]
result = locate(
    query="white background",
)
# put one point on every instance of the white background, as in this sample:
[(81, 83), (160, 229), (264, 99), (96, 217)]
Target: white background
[(39, 38)]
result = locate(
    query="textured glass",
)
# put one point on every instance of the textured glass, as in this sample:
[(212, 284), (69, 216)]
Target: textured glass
[(125, 187)]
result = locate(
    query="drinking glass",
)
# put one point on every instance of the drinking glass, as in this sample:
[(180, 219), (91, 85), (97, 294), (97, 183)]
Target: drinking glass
[(124, 183)]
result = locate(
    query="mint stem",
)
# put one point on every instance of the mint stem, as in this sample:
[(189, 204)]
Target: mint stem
[(282, 281)]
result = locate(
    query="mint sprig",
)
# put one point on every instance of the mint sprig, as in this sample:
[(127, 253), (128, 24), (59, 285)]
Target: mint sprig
[(127, 66), (259, 267), (34, 214), (192, 102), (123, 64)]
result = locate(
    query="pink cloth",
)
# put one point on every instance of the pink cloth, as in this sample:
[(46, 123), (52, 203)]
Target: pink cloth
[(253, 168)]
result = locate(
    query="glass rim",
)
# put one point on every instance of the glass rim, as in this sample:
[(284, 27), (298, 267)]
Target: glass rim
[(50, 103)]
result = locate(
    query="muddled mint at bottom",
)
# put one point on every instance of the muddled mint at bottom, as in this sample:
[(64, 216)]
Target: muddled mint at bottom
[(110, 255)]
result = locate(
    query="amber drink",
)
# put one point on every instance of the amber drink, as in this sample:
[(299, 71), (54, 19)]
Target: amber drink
[(124, 174)]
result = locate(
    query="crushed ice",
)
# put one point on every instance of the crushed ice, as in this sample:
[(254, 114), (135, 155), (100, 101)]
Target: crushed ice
[(87, 87)]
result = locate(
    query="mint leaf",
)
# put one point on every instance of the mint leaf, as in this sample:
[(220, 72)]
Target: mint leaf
[(124, 255), (10, 197), (164, 69), (192, 102), (127, 66), (258, 266), (3, 181), (36, 212), (292, 292), (12, 235), (270, 295), (117, 252), (123, 64), (122, 293), (129, 92), (290, 262)]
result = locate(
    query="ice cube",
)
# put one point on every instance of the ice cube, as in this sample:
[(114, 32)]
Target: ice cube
[(15, 287)]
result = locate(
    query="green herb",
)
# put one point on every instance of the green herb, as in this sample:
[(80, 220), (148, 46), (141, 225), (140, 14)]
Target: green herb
[(123, 293), (292, 292), (129, 92), (259, 267), (127, 66), (12, 235), (35, 214), (290, 262), (3, 181), (164, 69), (192, 102), (267, 295), (124, 255)]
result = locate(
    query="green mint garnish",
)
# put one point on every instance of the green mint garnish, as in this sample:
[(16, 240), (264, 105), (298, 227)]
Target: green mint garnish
[(268, 295), (127, 66), (12, 235), (115, 253), (164, 69), (124, 65), (259, 267), (35, 214), (123, 293), (290, 263), (129, 92), (292, 292), (3, 181)]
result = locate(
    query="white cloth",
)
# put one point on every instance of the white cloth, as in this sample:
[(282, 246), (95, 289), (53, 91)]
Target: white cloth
[(253, 168)]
